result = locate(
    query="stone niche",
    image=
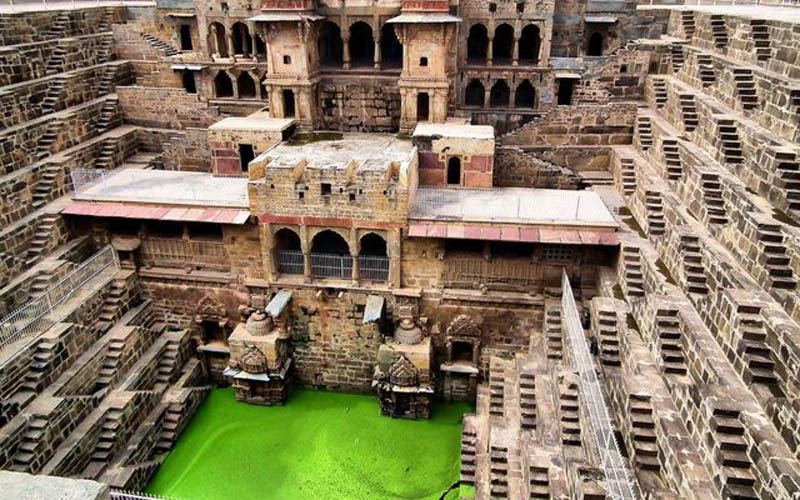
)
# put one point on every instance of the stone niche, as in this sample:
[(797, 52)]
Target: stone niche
[(403, 376), (260, 362)]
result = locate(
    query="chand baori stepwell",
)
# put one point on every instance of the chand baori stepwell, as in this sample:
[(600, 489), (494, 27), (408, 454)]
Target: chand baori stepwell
[(583, 216)]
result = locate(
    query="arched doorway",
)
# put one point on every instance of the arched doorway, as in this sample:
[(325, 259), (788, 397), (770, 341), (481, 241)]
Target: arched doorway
[(595, 48), (242, 41), (330, 256), (454, 171), (475, 94), (500, 95), (373, 260), (525, 96), (362, 45), (330, 45), (423, 107), (216, 40), (288, 252), (223, 86), (529, 45), (503, 44), (246, 85), (477, 44), (391, 48), (288, 103)]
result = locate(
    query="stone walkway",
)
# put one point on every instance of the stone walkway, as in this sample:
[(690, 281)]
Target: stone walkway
[(19, 6)]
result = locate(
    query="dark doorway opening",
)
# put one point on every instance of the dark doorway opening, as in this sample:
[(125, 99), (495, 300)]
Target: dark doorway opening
[(525, 96), (503, 45), (391, 48), (462, 351), (477, 44), (288, 103), (454, 171), (330, 45), (595, 47), (362, 45), (246, 155), (500, 95), (423, 107), (186, 37), (565, 89), (242, 41), (212, 332), (223, 86), (189, 84), (529, 45), (247, 86), (475, 94)]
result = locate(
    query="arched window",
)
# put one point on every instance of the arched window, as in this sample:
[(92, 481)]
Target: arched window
[(475, 94), (391, 48), (362, 45), (223, 87), (242, 42), (477, 44), (503, 45), (372, 259), (288, 252), (525, 96), (529, 44), (247, 87), (216, 40), (454, 171), (595, 47), (330, 45), (423, 107), (500, 95), (330, 256), (288, 103)]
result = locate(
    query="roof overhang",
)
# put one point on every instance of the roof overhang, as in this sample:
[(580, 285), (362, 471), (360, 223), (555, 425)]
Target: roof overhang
[(278, 17), (599, 19), (190, 67), (181, 14), (567, 75), (424, 18), (157, 212), (514, 233)]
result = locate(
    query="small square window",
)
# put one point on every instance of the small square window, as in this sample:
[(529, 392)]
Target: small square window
[(351, 197), (623, 68), (423, 61), (492, 7), (287, 60), (325, 189), (301, 195)]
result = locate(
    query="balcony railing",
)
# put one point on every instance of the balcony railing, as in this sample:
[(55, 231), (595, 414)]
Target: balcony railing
[(498, 273), (373, 267), (168, 252), (328, 265), (290, 262)]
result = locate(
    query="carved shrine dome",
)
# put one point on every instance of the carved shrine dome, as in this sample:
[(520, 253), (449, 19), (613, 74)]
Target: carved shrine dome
[(253, 361), (403, 373), (407, 332)]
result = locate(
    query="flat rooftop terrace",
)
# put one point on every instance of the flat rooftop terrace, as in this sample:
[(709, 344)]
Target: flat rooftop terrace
[(337, 151), (168, 187), (783, 13), (541, 207)]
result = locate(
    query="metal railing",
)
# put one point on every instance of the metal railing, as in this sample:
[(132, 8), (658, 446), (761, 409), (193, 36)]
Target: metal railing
[(175, 252), (291, 262), (37, 315), (373, 267), (328, 265), (83, 178), (618, 478), (134, 495)]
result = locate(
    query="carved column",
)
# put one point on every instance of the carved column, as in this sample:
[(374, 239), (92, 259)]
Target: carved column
[(346, 53), (215, 40), (377, 57), (235, 85), (515, 56), (305, 246), (395, 253), (489, 51), (229, 40), (354, 251)]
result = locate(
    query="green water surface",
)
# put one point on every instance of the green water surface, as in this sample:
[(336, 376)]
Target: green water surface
[(321, 445)]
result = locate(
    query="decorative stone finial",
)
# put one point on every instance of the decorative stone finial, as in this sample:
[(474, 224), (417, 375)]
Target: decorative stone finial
[(259, 323), (407, 332)]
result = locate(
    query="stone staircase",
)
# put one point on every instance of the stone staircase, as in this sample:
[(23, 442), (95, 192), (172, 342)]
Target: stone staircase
[(688, 111), (745, 88), (42, 193), (553, 334), (498, 457), (752, 346), (787, 167), (168, 363), (40, 283), (539, 482), (496, 390), (628, 174), (669, 341), (730, 451), (677, 56), (730, 146), (660, 92), (41, 238), (654, 205), (761, 39), (104, 24), (632, 270), (645, 132), (59, 27), (29, 444), (104, 449), (672, 158), (111, 362), (112, 306), (712, 198), (527, 400), (42, 359), (569, 412), (719, 32), (46, 141), (773, 257), (107, 153), (53, 96), (688, 23), (705, 67), (693, 269), (107, 114), (106, 80), (469, 442), (608, 338), (645, 447), (56, 62), (165, 48)]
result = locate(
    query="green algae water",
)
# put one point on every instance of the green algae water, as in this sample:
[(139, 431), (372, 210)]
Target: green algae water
[(320, 445)]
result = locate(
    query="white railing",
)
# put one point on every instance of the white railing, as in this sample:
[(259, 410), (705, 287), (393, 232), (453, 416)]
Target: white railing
[(84, 178), (37, 315), (134, 495), (620, 486), (291, 262), (777, 3), (329, 265), (373, 267)]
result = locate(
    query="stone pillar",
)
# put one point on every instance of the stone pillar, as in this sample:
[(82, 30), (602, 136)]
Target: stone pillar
[(268, 255), (489, 50), (346, 53), (515, 55), (297, 113), (487, 99), (305, 246), (356, 267), (395, 254), (229, 40), (354, 251), (215, 40), (512, 96), (378, 52), (235, 85), (258, 87)]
